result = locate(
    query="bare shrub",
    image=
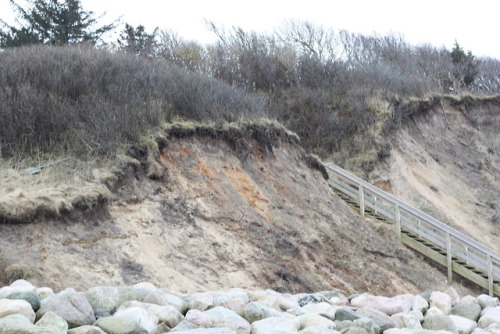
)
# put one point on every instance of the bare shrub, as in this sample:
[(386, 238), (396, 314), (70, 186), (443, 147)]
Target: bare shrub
[(89, 101)]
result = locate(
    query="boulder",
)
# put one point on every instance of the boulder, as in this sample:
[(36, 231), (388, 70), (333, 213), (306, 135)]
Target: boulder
[(44, 292), (168, 315), (345, 313), (464, 325), (119, 325), (10, 306), (254, 311), (438, 321), (358, 326), (22, 283), (386, 305), (441, 301), (309, 299), (455, 298), (493, 328), (412, 331), (201, 301), (381, 319), (418, 315), (318, 330), (274, 325), (308, 320), (487, 301), (19, 324), (160, 297), (470, 311), (490, 315), (206, 331), (108, 298), (420, 304), (87, 329), (406, 301), (22, 292), (150, 287), (325, 309), (185, 325), (103, 298), (406, 320), (72, 306), (145, 320), (219, 317), (235, 300), (333, 297), (55, 323), (469, 300), (281, 303)]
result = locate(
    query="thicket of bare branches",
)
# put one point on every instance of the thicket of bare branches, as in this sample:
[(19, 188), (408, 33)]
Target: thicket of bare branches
[(318, 82)]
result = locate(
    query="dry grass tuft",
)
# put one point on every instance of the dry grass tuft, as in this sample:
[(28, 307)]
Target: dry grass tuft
[(17, 271), (56, 190)]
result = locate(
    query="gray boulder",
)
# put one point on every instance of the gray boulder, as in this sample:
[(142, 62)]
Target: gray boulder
[(345, 313), (437, 321), (108, 298), (55, 323), (381, 319), (324, 309), (207, 331), (470, 311), (160, 297), (441, 301), (487, 301), (406, 320), (490, 315), (86, 330), (26, 293), (255, 311), (464, 325), (9, 306), (72, 306), (18, 324), (119, 325), (274, 325), (358, 326), (219, 317), (165, 314), (314, 320), (103, 298), (145, 320), (387, 305)]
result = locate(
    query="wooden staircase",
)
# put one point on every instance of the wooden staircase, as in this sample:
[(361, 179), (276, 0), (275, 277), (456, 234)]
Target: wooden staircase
[(460, 254)]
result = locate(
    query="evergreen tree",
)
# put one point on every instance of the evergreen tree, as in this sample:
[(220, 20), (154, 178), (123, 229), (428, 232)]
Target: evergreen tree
[(52, 22), (465, 65), (137, 41)]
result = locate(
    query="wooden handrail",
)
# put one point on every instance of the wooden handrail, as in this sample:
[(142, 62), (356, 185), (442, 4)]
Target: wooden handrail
[(454, 243)]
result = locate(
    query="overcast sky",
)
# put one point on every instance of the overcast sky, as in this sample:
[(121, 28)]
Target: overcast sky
[(474, 24)]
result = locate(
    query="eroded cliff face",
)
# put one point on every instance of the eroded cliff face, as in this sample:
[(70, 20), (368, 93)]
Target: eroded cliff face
[(214, 218), (445, 160)]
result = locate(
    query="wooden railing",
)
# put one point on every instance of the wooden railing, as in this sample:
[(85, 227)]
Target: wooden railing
[(459, 253)]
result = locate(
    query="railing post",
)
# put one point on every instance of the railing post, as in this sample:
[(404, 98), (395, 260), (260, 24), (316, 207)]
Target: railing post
[(361, 201), (490, 275), (398, 221), (448, 258)]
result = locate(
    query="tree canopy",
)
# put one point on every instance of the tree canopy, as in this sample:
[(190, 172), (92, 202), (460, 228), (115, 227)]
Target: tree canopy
[(52, 22)]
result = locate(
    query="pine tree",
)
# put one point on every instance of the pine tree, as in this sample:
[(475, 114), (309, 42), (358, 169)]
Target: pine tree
[(465, 65), (137, 41), (52, 22)]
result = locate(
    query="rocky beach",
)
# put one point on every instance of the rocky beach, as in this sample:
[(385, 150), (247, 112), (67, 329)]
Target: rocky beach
[(146, 309)]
